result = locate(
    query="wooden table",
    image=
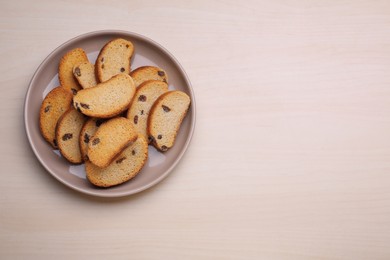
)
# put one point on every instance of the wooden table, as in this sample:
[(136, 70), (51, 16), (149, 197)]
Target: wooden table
[(291, 154)]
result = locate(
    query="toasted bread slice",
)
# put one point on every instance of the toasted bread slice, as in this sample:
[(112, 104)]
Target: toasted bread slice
[(114, 58), (143, 100), (68, 135), (57, 102), (65, 69), (125, 166), (109, 140), (145, 73), (84, 73), (165, 118), (107, 99), (89, 129)]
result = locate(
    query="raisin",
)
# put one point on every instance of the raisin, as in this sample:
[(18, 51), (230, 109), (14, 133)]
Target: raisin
[(77, 72), (135, 119), (166, 109), (133, 152), (99, 122), (74, 91), (159, 136), (102, 59), (142, 98), (142, 112), (86, 138), (95, 141), (67, 136), (120, 160), (55, 142), (150, 139), (127, 46), (164, 148), (47, 108), (165, 80), (161, 73), (77, 107), (102, 66), (86, 106), (122, 69)]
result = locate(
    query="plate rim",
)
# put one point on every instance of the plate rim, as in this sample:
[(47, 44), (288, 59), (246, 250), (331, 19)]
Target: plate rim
[(96, 192)]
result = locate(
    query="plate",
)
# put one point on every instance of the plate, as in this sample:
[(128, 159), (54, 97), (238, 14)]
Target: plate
[(158, 165)]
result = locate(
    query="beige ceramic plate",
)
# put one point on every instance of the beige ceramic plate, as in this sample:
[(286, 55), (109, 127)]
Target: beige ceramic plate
[(159, 165)]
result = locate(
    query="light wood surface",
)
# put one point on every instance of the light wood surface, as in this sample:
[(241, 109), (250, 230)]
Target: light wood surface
[(291, 154)]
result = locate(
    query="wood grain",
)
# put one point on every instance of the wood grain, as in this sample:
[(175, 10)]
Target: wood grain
[(291, 153)]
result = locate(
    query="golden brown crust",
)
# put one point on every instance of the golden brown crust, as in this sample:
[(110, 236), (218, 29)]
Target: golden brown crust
[(56, 102), (108, 65)]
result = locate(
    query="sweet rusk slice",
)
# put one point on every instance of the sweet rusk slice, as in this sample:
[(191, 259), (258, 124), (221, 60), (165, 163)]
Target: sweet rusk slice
[(114, 58), (65, 68), (89, 129), (145, 73), (109, 140), (84, 73), (143, 100), (68, 134), (125, 166), (55, 104), (165, 118), (107, 99)]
